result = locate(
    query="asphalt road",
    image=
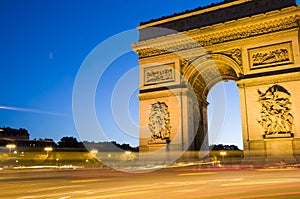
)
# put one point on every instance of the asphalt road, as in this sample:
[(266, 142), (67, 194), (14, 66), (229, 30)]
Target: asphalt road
[(185, 182)]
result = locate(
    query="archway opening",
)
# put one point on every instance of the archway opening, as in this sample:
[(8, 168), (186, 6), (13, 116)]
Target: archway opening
[(224, 123)]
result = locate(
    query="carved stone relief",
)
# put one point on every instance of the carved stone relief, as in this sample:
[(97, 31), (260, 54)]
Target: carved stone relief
[(159, 123), (235, 54), (276, 117), (270, 55)]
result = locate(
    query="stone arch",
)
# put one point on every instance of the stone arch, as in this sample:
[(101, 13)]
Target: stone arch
[(205, 71), (202, 73)]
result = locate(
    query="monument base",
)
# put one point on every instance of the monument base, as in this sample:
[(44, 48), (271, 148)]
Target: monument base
[(279, 135), (279, 150)]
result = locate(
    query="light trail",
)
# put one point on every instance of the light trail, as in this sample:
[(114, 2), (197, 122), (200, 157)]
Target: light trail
[(31, 110)]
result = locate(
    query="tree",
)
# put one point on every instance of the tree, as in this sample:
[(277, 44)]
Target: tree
[(70, 142)]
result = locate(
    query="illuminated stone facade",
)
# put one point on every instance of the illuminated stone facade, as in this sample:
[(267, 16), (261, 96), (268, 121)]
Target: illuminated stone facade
[(258, 49)]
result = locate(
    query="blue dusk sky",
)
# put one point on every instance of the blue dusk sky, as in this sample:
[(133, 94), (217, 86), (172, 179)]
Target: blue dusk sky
[(45, 43)]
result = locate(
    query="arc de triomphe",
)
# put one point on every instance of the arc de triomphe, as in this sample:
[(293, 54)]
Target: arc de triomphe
[(253, 42)]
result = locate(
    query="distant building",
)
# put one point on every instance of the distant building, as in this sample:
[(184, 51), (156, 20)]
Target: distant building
[(20, 138), (9, 133), (30, 144)]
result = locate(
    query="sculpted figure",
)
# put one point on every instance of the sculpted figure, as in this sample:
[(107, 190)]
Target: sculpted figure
[(276, 116), (159, 121)]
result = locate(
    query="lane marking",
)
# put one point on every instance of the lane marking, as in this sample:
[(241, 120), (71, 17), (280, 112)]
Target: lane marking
[(196, 174), (30, 195), (118, 195), (45, 196), (58, 187), (185, 183), (251, 183), (277, 169), (186, 191), (226, 180), (87, 180), (261, 182), (270, 195), (87, 192)]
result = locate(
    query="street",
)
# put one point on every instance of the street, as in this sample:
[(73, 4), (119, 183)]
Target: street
[(183, 182)]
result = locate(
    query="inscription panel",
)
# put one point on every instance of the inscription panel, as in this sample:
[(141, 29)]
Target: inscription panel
[(272, 55), (159, 74)]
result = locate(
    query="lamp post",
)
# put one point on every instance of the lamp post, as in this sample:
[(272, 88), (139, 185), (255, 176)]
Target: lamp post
[(223, 154), (10, 147), (94, 152), (48, 149)]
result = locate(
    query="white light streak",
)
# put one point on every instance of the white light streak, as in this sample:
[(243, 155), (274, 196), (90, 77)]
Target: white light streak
[(31, 110)]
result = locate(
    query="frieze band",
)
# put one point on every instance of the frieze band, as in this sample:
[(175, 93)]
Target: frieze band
[(211, 39), (270, 55)]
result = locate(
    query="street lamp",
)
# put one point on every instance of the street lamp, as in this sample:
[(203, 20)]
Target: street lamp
[(223, 154), (10, 147), (48, 149), (94, 152)]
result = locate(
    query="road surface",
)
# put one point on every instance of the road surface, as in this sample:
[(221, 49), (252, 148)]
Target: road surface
[(184, 182)]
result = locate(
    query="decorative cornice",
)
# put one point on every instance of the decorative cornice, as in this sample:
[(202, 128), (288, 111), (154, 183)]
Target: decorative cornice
[(233, 10), (263, 81), (161, 93), (205, 40), (188, 13), (249, 31)]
